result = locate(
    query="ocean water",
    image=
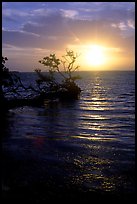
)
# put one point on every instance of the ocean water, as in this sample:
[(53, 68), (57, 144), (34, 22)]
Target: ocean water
[(87, 145)]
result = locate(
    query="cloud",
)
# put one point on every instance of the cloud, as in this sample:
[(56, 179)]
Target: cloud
[(47, 25), (69, 13), (63, 22), (56, 30), (19, 38), (15, 12), (27, 40), (43, 28)]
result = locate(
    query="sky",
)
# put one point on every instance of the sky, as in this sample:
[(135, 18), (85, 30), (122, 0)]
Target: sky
[(101, 33)]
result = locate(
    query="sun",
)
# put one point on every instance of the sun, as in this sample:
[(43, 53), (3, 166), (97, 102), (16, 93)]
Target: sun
[(95, 55)]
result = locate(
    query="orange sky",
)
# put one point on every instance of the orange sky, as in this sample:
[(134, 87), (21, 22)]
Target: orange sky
[(102, 33)]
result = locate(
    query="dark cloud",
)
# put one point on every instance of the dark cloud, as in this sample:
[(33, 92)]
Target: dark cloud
[(109, 23), (58, 25), (62, 29), (30, 40), (53, 25), (18, 38), (56, 31)]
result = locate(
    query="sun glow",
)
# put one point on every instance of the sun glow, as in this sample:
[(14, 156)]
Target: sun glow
[(99, 56), (95, 55)]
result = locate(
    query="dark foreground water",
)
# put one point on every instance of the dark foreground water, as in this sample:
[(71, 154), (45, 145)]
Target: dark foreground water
[(79, 150)]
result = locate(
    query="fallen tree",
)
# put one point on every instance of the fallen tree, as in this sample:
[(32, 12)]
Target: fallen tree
[(48, 87)]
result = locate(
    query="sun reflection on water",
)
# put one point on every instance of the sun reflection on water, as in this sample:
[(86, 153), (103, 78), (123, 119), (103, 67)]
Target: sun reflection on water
[(87, 142)]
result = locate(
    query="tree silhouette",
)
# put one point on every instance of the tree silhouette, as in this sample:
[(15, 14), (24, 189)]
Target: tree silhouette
[(48, 86), (5, 79), (65, 67), (10, 84)]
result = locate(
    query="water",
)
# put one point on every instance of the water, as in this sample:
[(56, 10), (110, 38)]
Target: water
[(87, 145)]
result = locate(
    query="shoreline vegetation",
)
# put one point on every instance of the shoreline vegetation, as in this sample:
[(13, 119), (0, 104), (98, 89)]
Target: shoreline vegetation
[(47, 85)]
